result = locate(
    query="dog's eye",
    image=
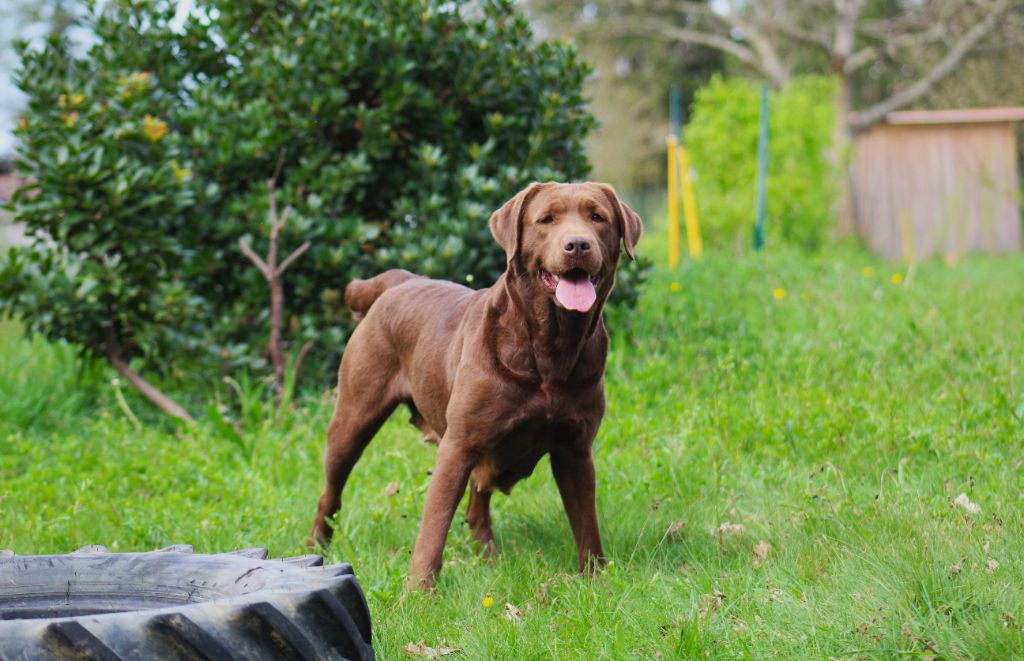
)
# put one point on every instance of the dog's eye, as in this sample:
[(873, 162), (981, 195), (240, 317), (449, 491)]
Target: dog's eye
[(547, 219), (597, 218)]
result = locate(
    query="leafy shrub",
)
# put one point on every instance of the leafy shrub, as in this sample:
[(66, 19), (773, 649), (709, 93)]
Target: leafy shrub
[(394, 129), (722, 143)]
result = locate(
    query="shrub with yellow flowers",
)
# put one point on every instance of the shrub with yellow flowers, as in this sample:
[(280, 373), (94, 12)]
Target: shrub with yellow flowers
[(109, 205), (393, 130)]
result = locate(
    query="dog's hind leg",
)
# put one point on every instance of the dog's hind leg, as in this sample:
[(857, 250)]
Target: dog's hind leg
[(368, 392), (478, 516), (417, 420)]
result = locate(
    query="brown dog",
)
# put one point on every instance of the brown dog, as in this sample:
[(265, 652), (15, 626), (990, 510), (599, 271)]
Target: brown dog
[(498, 377)]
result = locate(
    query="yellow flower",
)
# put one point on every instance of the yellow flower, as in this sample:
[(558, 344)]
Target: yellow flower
[(180, 173), (896, 278), (868, 271), (779, 293), (488, 601), (76, 100), (134, 84), (675, 287), (69, 119), (154, 128)]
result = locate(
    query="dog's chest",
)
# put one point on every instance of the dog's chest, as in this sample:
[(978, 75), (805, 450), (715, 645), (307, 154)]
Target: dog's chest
[(551, 422)]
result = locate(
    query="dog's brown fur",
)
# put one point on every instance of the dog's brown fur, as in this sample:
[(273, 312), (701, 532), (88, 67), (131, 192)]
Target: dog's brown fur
[(497, 378)]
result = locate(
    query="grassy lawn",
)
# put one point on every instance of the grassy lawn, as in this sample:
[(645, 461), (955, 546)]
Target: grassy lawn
[(814, 406)]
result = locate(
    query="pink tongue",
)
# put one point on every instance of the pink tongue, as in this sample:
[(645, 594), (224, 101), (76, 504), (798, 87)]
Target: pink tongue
[(578, 295)]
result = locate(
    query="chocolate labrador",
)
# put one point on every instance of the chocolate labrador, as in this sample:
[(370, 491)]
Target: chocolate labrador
[(497, 377)]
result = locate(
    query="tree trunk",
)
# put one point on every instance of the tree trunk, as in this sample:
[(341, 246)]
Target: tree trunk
[(841, 157), (277, 358)]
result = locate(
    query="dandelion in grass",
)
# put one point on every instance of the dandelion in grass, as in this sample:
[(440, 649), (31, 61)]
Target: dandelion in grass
[(675, 287), (896, 278), (868, 272), (779, 293), (488, 601)]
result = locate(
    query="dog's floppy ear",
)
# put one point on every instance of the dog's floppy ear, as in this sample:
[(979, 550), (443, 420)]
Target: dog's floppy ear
[(630, 225), (507, 222)]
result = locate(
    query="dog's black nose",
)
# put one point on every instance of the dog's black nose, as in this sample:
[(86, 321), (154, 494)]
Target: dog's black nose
[(576, 245)]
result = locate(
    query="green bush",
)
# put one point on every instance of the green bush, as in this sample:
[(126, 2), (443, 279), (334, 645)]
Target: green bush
[(396, 128), (722, 144)]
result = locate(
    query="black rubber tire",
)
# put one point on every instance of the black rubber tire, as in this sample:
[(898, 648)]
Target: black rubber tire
[(173, 604)]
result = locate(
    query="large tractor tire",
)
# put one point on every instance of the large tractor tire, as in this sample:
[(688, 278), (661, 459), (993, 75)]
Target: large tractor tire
[(173, 604)]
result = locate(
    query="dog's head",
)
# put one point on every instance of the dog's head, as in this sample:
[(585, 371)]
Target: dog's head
[(566, 239)]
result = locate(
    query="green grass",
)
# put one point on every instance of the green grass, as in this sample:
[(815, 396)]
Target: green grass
[(837, 423)]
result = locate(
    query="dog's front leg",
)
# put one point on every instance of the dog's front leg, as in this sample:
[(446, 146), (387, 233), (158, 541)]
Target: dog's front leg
[(574, 473), (454, 461)]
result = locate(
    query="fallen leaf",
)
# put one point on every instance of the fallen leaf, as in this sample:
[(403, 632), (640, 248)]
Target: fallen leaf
[(512, 614), (421, 649), (963, 501), (761, 550), (711, 603), (992, 564), (391, 489), (727, 528), (676, 532)]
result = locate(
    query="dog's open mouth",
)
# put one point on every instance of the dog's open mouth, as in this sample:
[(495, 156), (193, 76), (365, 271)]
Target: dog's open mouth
[(574, 290)]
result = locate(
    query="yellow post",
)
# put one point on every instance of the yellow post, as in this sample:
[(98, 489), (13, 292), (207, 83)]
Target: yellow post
[(673, 203), (689, 205)]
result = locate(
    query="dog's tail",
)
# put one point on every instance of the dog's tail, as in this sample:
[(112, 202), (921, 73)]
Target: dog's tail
[(361, 294)]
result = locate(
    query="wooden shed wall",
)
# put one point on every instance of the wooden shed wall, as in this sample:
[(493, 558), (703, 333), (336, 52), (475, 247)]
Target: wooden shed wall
[(956, 184)]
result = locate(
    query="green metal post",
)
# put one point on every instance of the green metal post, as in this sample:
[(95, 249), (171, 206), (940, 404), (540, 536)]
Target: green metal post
[(762, 170), (675, 111)]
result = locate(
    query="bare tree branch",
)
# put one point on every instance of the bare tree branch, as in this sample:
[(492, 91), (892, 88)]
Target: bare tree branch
[(860, 58), (255, 259), (292, 257), (786, 26), (273, 273), (147, 389), (943, 68), (771, 62), (890, 43), (693, 36)]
